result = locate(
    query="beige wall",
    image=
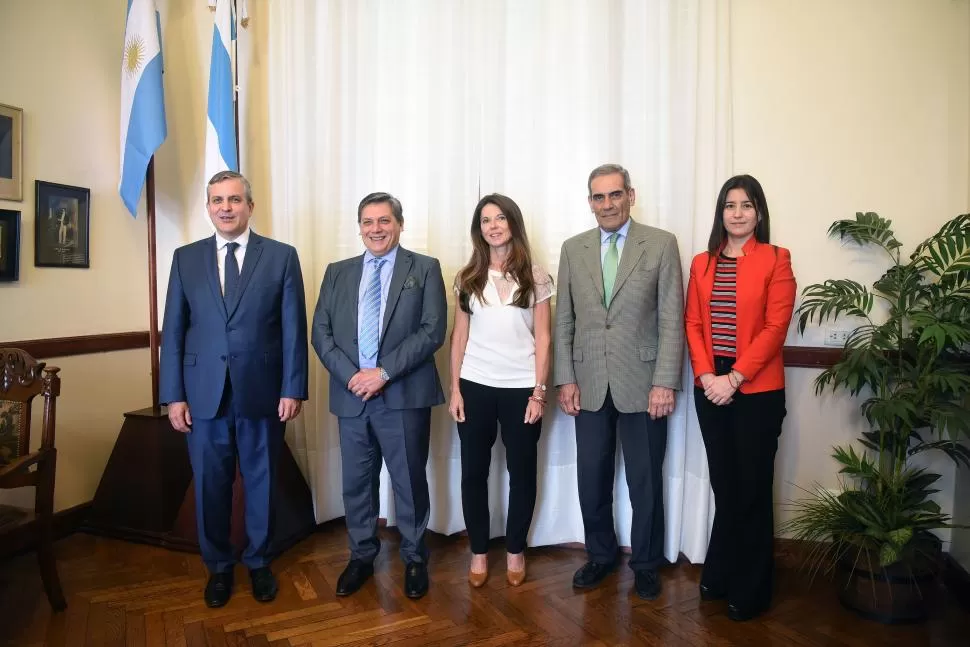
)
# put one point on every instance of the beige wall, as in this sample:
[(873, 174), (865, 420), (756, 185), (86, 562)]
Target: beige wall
[(70, 94), (842, 107), (60, 62)]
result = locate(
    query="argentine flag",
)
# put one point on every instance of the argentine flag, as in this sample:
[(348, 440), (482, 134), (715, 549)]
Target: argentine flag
[(142, 98), (220, 133)]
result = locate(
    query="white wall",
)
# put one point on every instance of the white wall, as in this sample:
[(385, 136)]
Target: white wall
[(842, 107)]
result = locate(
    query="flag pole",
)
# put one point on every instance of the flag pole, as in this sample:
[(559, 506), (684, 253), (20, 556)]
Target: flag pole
[(235, 82), (152, 281)]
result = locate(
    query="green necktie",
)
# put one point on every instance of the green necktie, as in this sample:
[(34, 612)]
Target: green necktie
[(610, 261)]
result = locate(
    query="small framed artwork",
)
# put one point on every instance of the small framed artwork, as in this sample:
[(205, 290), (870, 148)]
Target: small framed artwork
[(11, 153), (62, 225), (9, 245)]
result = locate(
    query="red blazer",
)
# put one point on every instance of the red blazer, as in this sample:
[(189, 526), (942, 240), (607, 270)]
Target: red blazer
[(765, 300)]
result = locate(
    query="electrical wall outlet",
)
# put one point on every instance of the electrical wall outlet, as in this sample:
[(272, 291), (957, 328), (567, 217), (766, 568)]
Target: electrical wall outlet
[(835, 337)]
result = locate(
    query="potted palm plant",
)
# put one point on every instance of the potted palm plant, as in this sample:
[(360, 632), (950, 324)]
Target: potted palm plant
[(908, 362)]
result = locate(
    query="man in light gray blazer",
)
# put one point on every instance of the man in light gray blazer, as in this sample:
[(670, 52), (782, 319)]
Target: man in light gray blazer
[(379, 319), (619, 348)]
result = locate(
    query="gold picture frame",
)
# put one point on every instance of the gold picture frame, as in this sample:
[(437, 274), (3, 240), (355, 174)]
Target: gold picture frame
[(11, 153)]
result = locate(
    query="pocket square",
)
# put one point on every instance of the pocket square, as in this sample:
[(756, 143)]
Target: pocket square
[(410, 282)]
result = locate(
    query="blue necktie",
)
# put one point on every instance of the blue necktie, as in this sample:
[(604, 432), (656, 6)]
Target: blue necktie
[(231, 279), (371, 312)]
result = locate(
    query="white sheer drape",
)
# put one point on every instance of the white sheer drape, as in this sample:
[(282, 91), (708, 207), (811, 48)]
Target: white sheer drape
[(439, 102)]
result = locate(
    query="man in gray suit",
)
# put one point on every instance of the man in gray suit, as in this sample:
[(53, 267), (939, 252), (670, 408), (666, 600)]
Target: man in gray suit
[(378, 322), (619, 347)]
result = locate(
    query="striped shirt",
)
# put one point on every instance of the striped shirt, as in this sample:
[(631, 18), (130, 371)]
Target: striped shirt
[(724, 307)]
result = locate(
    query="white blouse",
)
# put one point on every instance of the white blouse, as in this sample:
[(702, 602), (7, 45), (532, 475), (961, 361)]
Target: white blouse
[(501, 348)]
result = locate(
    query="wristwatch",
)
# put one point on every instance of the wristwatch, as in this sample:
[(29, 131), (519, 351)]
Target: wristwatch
[(384, 375), (541, 387)]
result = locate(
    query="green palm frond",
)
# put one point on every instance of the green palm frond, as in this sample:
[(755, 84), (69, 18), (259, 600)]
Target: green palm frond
[(947, 252), (867, 229), (833, 299)]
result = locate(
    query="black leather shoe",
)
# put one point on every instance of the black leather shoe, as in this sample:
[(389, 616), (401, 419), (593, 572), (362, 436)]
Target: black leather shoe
[(218, 590), (416, 580), (591, 574), (647, 584), (354, 576), (739, 614), (709, 595), (264, 584)]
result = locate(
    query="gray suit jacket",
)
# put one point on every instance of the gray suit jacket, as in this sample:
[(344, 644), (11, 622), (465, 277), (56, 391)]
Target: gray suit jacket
[(636, 344), (415, 319)]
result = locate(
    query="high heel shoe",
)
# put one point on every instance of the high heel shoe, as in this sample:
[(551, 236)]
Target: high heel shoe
[(477, 580), (515, 577)]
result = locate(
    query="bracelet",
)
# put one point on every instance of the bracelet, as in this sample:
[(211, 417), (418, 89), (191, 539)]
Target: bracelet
[(733, 381), (536, 398)]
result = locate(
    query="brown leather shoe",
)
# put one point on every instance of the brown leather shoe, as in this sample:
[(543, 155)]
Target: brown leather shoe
[(477, 579), (516, 577)]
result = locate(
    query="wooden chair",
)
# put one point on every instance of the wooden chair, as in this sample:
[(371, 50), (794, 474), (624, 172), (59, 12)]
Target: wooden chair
[(21, 379)]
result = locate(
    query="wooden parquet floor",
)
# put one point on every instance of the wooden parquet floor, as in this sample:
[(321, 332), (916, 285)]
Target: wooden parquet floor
[(131, 595)]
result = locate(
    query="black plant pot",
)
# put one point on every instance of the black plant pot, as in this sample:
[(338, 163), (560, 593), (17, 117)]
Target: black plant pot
[(901, 593)]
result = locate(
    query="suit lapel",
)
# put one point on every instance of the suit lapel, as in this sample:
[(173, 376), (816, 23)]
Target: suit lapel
[(594, 264), (211, 264), (402, 267), (633, 248), (355, 274), (253, 252)]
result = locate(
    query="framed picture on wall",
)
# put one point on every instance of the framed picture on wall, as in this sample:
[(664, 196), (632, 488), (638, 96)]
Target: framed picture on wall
[(11, 153), (9, 245), (62, 225)]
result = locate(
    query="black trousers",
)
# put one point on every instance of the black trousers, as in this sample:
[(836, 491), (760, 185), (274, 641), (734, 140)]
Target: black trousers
[(644, 443), (486, 407), (741, 439)]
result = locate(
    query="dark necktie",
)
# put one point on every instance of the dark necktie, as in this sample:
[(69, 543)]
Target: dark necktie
[(232, 273)]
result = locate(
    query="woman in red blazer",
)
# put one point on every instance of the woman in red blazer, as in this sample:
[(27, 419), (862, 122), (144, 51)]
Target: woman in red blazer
[(739, 303)]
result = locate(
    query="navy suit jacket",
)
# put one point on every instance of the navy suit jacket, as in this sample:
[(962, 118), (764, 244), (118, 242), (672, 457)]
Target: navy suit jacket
[(260, 338), (413, 328)]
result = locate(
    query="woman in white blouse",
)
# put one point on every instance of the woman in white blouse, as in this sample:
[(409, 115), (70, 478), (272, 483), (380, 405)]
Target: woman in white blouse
[(500, 352)]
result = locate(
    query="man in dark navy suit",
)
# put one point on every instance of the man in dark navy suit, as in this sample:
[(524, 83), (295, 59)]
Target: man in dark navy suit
[(233, 371), (379, 320)]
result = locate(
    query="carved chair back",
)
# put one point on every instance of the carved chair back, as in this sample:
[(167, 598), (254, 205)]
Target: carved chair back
[(22, 378)]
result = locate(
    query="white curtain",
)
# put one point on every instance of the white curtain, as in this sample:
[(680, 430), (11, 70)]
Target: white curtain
[(440, 102)]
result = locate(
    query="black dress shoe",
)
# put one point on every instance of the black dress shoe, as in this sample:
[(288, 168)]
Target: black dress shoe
[(218, 590), (416, 580), (740, 614), (647, 584), (709, 595), (354, 576), (591, 574), (264, 584)]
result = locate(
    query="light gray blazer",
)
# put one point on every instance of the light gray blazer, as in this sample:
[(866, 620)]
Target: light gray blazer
[(636, 344)]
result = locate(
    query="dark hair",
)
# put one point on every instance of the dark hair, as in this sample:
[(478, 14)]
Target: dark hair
[(608, 169), (380, 198), (472, 278), (762, 230)]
